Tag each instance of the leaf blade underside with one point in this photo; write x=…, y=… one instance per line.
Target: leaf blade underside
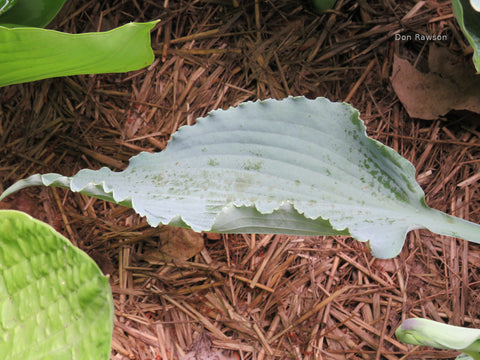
x=304, y=166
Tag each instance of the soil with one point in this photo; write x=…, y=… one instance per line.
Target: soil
x=256, y=296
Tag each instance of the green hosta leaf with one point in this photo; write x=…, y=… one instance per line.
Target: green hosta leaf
x=30, y=54
x=295, y=166
x=35, y=13
x=468, y=17
x=55, y=303
x=426, y=332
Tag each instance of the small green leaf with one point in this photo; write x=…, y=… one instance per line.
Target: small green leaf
x=30, y=54
x=468, y=18
x=34, y=13
x=431, y=333
x=322, y=5
x=55, y=303
x=294, y=166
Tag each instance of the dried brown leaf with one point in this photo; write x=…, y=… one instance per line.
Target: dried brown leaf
x=177, y=243
x=450, y=85
x=201, y=349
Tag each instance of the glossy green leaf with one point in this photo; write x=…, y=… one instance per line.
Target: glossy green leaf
x=34, y=13
x=469, y=20
x=30, y=54
x=431, y=333
x=294, y=166
x=6, y=5
x=55, y=303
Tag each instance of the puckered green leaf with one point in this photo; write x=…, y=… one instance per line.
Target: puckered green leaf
x=468, y=18
x=35, y=13
x=55, y=303
x=29, y=54
x=295, y=166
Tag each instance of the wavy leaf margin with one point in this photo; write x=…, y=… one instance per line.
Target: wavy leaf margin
x=291, y=166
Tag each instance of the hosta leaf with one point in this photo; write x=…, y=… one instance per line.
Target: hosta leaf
x=468, y=17
x=467, y=357
x=55, y=303
x=35, y=13
x=424, y=332
x=295, y=166
x=30, y=54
